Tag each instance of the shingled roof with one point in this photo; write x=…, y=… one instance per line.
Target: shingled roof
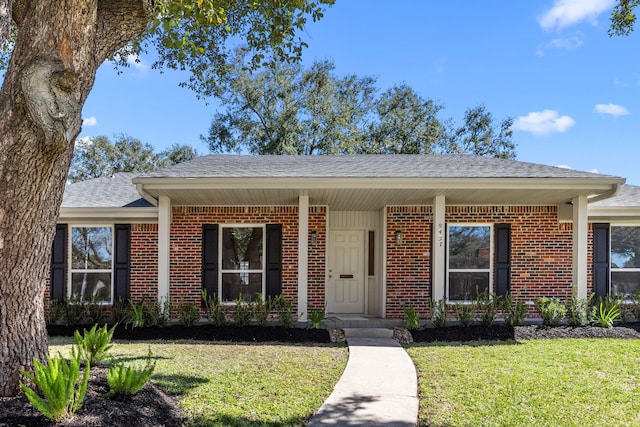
x=363, y=166
x=114, y=191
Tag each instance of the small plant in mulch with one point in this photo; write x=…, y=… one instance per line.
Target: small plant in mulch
x=242, y=312
x=127, y=380
x=412, y=318
x=464, y=313
x=94, y=343
x=438, y=311
x=214, y=311
x=513, y=311
x=579, y=311
x=605, y=312
x=188, y=313
x=487, y=305
x=316, y=316
x=552, y=311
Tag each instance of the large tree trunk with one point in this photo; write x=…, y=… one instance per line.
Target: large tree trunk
x=60, y=45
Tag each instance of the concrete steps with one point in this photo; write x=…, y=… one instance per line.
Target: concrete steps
x=367, y=333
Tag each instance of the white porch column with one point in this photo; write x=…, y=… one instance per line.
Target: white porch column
x=439, y=248
x=580, y=236
x=164, y=232
x=303, y=255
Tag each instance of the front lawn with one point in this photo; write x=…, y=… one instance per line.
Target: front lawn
x=229, y=384
x=565, y=382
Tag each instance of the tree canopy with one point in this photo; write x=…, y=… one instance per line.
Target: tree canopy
x=289, y=109
x=623, y=17
x=95, y=157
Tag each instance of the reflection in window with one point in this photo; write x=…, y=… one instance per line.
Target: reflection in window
x=242, y=265
x=469, y=262
x=91, y=264
x=625, y=261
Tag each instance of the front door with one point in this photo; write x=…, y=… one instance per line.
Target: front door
x=345, y=292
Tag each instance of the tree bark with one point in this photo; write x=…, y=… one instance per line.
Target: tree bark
x=60, y=45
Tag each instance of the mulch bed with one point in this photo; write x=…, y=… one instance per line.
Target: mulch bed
x=519, y=333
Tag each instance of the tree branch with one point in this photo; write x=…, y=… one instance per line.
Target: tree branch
x=5, y=20
x=119, y=22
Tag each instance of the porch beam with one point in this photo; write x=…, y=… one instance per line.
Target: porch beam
x=580, y=241
x=438, y=252
x=164, y=233
x=303, y=255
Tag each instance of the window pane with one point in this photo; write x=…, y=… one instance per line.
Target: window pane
x=242, y=248
x=247, y=284
x=469, y=247
x=91, y=285
x=625, y=283
x=91, y=248
x=625, y=247
x=466, y=286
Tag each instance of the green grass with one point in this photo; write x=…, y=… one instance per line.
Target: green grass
x=570, y=382
x=228, y=384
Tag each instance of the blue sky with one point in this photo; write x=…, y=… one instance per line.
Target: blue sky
x=573, y=91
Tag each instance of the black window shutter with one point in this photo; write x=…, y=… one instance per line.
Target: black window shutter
x=503, y=258
x=600, y=259
x=210, y=259
x=274, y=260
x=122, y=261
x=58, y=274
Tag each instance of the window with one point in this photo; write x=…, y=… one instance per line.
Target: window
x=469, y=261
x=91, y=276
x=625, y=260
x=242, y=264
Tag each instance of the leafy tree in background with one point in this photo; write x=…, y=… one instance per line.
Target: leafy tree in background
x=98, y=156
x=288, y=109
x=51, y=50
x=623, y=18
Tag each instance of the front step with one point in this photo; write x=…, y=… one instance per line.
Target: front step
x=367, y=333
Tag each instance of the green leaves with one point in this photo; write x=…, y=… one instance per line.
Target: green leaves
x=128, y=380
x=623, y=18
x=60, y=386
x=95, y=343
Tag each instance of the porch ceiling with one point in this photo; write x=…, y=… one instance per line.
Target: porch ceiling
x=358, y=198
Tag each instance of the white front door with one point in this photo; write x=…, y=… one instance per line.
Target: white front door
x=345, y=290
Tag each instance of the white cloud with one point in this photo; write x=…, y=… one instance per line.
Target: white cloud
x=569, y=43
x=566, y=13
x=564, y=166
x=84, y=141
x=89, y=121
x=594, y=171
x=136, y=62
x=611, y=109
x=543, y=122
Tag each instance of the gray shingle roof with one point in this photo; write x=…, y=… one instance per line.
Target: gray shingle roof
x=363, y=166
x=104, y=192
x=629, y=195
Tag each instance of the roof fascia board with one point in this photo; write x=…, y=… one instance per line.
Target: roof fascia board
x=150, y=213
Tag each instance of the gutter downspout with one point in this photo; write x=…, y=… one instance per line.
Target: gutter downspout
x=148, y=197
x=606, y=195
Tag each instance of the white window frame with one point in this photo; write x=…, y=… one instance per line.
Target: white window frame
x=222, y=271
x=618, y=269
x=469, y=270
x=83, y=270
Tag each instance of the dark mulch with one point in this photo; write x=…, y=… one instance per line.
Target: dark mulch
x=149, y=407
x=208, y=333
x=518, y=333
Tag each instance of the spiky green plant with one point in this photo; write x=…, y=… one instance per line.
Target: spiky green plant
x=606, y=312
x=412, y=318
x=127, y=380
x=61, y=390
x=94, y=343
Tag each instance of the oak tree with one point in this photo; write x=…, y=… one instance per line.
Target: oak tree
x=55, y=48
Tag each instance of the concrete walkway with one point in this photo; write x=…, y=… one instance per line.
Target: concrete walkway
x=377, y=388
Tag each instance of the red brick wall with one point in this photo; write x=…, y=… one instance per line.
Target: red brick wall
x=408, y=263
x=186, y=246
x=541, y=251
x=144, y=262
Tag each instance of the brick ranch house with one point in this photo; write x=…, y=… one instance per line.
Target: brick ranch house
x=360, y=235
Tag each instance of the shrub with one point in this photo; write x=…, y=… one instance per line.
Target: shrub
x=579, y=312
x=213, y=309
x=464, y=314
x=635, y=305
x=606, y=312
x=438, y=311
x=188, y=313
x=54, y=311
x=242, y=313
x=128, y=380
x=261, y=310
x=513, y=311
x=73, y=310
x=156, y=313
x=136, y=314
x=487, y=305
x=93, y=311
x=552, y=310
x=284, y=309
x=412, y=318
x=121, y=311
x=95, y=343
x=62, y=391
